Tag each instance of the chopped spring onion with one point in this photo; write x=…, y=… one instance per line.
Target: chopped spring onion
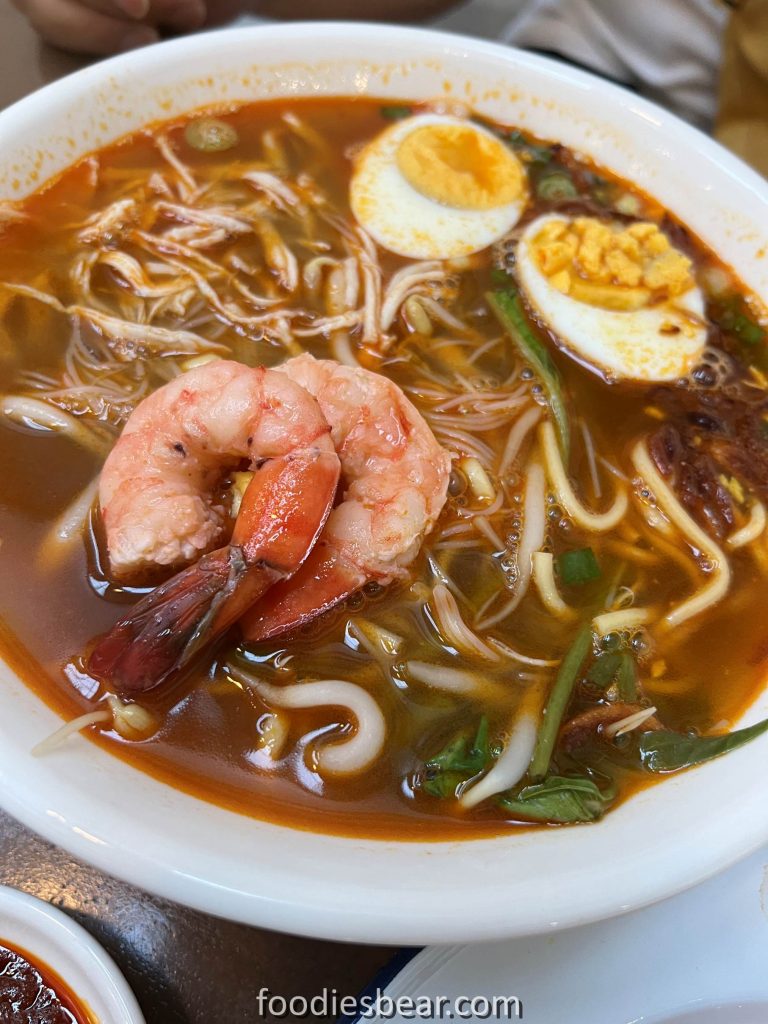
x=211, y=135
x=734, y=318
x=578, y=567
x=628, y=204
x=556, y=185
x=747, y=330
x=558, y=701
x=508, y=308
x=395, y=111
x=530, y=151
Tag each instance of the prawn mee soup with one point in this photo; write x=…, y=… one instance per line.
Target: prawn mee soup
x=379, y=470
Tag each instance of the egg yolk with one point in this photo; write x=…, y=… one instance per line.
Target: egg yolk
x=609, y=265
x=458, y=166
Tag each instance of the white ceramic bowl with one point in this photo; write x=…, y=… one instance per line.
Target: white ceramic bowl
x=54, y=940
x=124, y=822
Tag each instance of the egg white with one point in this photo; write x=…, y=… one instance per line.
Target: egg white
x=408, y=223
x=631, y=344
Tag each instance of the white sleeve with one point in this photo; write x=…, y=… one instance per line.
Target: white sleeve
x=669, y=50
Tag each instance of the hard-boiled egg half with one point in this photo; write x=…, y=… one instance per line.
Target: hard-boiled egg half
x=437, y=187
x=620, y=296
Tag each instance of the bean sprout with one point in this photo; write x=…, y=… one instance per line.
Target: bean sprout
x=511, y=765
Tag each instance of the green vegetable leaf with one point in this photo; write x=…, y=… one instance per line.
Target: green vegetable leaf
x=457, y=763
x=395, y=111
x=509, y=311
x=560, y=800
x=452, y=757
x=663, y=751
x=443, y=784
x=578, y=566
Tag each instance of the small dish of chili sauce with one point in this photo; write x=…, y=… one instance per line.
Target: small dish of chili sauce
x=31, y=992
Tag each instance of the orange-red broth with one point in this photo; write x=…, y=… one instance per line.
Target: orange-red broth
x=207, y=743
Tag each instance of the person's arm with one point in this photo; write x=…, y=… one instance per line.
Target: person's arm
x=108, y=26
x=373, y=10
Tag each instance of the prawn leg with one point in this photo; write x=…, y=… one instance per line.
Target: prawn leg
x=321, y=582
x=283, y=512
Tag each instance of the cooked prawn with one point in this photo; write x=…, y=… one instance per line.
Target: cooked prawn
x=158, y=507
x=394, y=481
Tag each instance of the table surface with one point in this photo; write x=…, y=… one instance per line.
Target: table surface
x=185, y=967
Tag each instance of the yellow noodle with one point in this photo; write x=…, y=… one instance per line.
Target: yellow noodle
x=349, y=755
x=720, y=574
x=752, y=529
x=544, y=578
x=624, y=618
x=595, y=521
x=631, y=552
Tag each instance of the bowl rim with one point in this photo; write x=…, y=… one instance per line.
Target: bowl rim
x=405, y=901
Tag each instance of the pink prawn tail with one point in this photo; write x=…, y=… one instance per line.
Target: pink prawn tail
x=163, y=631
x=321, y=582
x=283, y=512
